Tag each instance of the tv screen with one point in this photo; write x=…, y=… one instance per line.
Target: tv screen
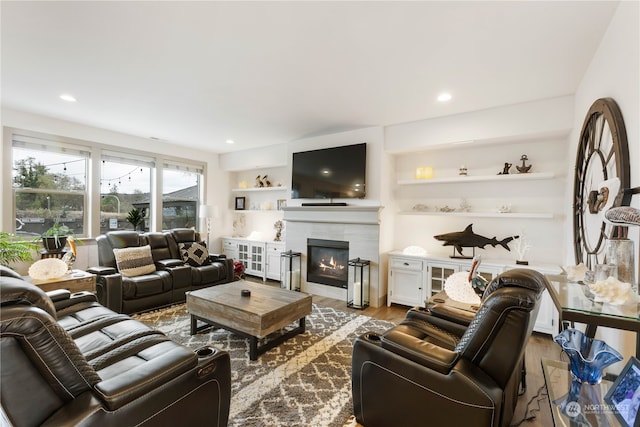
x=330, y=173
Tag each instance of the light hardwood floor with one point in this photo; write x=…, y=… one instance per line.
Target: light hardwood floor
x=540, y=346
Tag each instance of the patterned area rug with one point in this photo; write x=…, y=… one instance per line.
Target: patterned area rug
x=305, y=381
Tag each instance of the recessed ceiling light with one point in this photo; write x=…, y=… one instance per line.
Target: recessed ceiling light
x=67, y=97
x=444, y=97
x=230, y=141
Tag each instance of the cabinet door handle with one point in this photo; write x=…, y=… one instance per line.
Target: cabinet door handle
x=406, y=263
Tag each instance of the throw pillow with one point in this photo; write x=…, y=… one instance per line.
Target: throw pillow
x=194, y=253
x=134, y=261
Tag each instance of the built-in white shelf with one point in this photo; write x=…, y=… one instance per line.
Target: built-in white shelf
x=531, y=215
x=480, y=178
x=247, y=190
x=258, y=211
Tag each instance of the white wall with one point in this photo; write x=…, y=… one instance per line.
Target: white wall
x=614, y=72
x=547, y=117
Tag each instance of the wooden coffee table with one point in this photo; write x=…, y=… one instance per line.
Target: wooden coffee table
x=267, y=310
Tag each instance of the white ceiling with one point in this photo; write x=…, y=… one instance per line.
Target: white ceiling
x=262, y=73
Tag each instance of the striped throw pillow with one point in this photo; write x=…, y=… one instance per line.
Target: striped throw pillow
x=134, y=261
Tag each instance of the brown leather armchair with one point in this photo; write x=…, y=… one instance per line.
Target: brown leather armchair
x=97, y=367
x=424, y=371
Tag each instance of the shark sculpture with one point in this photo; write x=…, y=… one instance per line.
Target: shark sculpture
x=469, y=239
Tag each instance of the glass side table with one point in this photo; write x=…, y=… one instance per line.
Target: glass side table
x=573, y=403
x=573, y=305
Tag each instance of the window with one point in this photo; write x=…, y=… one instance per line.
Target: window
x=49, y=181
x=125, y=184
x=181, y=190
x=54, y=179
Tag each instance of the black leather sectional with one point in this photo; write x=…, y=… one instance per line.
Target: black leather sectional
x=67, y=360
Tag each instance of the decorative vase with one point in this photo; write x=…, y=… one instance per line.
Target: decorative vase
x=621, y=253
x=587, y=356
x=54, y=244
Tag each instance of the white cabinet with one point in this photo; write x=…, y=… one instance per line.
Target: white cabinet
x=437, y=274
x=272, y=270
x=230, y=248
x=415, y=279
x=260, y=258
x=406, y=281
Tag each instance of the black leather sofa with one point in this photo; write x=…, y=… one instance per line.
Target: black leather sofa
x=166, y=285
x=67, y=360
x=430, y=369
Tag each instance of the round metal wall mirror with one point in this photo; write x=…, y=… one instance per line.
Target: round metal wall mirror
x=601, y=176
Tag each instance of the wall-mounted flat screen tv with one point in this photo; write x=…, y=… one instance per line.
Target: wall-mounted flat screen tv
x=330, y=173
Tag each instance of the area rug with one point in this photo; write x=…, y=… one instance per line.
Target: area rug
x=305, y=381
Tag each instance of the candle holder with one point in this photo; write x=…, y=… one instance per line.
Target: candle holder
x=358, y=284
x=290, y=270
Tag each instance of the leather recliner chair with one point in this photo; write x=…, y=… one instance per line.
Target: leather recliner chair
x=97, y=367
x=424, y=371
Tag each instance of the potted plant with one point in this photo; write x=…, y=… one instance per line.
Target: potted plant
x=14, y=249
x=55, y=238
x=135, y=218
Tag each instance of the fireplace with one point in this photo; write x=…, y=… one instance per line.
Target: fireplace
x=327, y=262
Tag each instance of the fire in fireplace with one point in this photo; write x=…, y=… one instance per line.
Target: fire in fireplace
x=327, y=262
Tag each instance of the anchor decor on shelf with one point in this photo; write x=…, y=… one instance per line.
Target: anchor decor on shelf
x=524, y=168
x=469, y=239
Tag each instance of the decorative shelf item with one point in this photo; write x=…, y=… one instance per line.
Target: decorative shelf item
x=260, y=189
x=479, y=178
x=529, y=215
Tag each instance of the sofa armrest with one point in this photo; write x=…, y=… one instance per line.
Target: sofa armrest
x=423, y=352
x=164, y=264
x=109, y=290
x=101, y=270
x=421, y=314
x=59, y=295
x=216, y=257
x=164, y=362
x=228, y=263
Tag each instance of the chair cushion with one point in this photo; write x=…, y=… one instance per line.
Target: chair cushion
x=134, y=261
x=194, y=253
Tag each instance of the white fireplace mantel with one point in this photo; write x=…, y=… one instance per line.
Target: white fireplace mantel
x=334, y=214
x=358, y=225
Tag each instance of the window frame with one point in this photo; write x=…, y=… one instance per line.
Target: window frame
x=92, y=190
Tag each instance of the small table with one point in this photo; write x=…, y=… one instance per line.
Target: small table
x=267, y=310
x=574, y=306
x=73, y=281
x=584, y=402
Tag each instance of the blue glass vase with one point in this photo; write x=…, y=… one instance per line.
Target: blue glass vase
x=587, y=356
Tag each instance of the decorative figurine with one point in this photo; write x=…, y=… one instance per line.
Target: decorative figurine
x=505, y=169
x=278, y=225
x=464, y=206
x=259, y=183
x=266, y=182
x=469, y=239
x=524, y=168
x=521, y=247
